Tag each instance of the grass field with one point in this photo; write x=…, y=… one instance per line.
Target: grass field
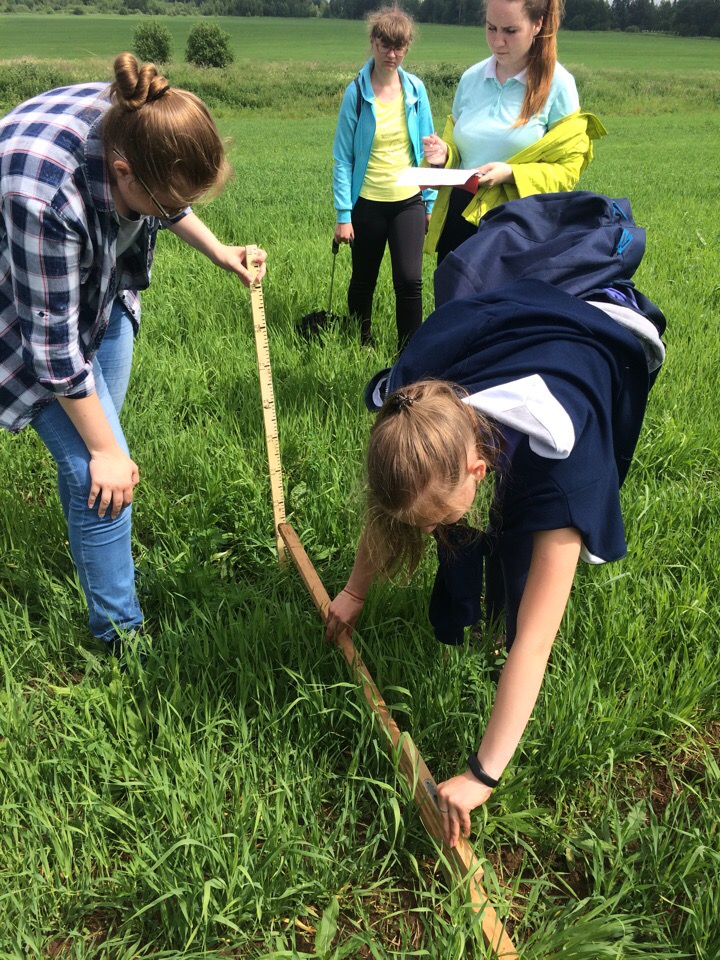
x=232, y=798
x=332, y=42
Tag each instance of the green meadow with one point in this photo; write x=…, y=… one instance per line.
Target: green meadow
x=230, y=797
x=326, y=42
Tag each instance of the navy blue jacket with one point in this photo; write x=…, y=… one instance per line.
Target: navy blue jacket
x=552, y=360
x=578, y=241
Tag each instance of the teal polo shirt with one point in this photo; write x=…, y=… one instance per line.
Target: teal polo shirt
x=484, y=111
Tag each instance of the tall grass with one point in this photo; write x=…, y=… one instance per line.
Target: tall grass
x=283, y=89
x=230, y=798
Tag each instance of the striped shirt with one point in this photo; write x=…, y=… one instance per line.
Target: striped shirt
x=58, y=270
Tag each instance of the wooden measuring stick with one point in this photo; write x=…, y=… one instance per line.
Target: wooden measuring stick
x=267, y=395
x=413, y=768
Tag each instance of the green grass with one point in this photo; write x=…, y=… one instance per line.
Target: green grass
x=338, y=42
x=232, y=798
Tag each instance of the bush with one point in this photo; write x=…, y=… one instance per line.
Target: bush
x=152, y=42
x=24, y=78
x=208, y=46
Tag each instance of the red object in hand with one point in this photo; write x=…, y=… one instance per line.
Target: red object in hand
x=471, y=184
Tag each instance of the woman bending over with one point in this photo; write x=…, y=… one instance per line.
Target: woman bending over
x=547, y=390
x=88, y=174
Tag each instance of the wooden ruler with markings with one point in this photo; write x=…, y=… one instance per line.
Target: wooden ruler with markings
x=461, y=859
x=272, y=440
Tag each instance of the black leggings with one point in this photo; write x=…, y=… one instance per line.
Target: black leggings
x=400, y=224
x=457, y=229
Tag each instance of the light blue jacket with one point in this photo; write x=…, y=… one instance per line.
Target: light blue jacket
x=354, y=137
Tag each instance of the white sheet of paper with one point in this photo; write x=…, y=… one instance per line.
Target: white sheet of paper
x=433, y=177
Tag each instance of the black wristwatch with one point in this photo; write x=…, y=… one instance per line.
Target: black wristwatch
x=477, y=770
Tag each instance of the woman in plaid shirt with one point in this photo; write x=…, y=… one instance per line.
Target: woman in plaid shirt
x=88, y=174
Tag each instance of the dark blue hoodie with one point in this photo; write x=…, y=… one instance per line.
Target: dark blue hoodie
x=567, y=386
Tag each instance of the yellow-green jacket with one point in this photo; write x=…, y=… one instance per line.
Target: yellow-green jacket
x=552, y=164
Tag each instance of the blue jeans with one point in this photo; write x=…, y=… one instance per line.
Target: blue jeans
x=100, y=546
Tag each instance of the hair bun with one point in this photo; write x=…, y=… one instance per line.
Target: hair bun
x=136, y=85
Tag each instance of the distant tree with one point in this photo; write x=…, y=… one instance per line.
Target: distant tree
x=361, y=7
x=620, y=14
x=152, y=42
x=642, y=14
x=697, y=18
x=664, y=19
x=413, y=8
x=587, y=15
x=426, y=13
x=209, y=46
x=247, y=8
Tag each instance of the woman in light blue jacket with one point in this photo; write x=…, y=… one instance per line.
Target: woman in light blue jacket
x=384, y=115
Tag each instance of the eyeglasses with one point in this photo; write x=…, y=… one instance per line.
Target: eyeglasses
x=165, y=214
x=401, y=49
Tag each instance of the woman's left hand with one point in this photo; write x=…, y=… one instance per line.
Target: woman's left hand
x=456, y=799
x=234, y=259
x=491, y=174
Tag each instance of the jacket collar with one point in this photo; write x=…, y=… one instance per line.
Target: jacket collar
x=406, y=79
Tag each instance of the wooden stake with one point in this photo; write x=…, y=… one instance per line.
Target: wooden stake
x=272, y=441
x=413, y=768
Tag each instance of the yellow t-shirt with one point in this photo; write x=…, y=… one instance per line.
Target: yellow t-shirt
x=390, y=154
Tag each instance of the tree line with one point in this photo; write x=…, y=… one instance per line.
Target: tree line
x=685, y=18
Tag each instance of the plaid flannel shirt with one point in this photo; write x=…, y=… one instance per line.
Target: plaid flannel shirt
x=58, y=227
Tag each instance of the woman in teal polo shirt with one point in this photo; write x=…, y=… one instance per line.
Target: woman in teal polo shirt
x=503, y=107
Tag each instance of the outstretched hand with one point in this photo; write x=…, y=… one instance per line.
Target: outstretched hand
x=234, y=259
x=342, y=614
x=457, y=798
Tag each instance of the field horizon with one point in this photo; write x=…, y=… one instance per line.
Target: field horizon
x=230, y=797
x=332, y=42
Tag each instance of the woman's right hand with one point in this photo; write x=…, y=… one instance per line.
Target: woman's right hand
x=435, y=150
x=113, y=476
x=344, y=233
x=342, y=614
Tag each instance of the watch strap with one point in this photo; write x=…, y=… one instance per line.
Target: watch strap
x=479, y=772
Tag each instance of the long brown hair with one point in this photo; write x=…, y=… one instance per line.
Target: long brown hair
x=166, y=135
x=417, y=451
x=542, y=56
